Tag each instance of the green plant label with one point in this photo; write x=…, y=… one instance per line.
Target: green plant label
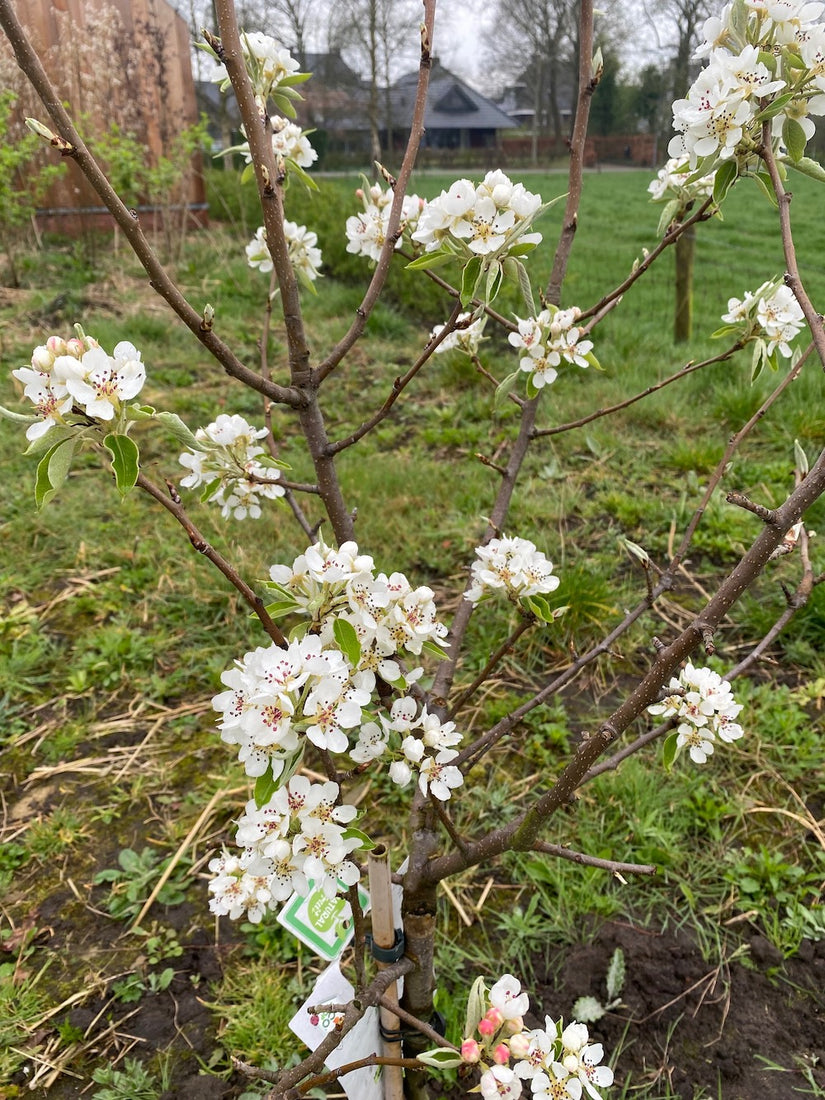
x=320, y=922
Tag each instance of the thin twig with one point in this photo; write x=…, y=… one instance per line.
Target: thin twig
x=173, y=505
x=730, y=450
x=506, y=647
x=792, y=276
x=398, y=387
x=682, y=373
x=615, y=866
x=588, y=82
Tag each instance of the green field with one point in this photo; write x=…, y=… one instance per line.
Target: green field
x=113, y=632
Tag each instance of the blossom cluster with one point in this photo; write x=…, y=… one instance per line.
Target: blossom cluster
x=278, y=694
x=427, y=744
x=77, y=376
x=465, y=336
x=271, y=68
x=548, y=339
x=386, y=614
x=555, y=1062
x=704, y=707
x=488, y=219
x=755, y=53
x=770, y=315
x=302, y=246
x=229, y=466
x=678, y=188
x=289, y=144
x=320, y=687
x=513, y=564
x=674, y=179
x=298, y=837
x=367, y=231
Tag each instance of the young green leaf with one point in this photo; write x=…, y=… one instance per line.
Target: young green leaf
x=493, y=284
x=800, y=458
x=809, y=167
x=794, y=137
x=347, y=641
x=775, y=107
x=178, y=429
x=504, y=389
x=367, y=844
x=670, y=750
x=52, y=470
x=265, y=787
x=669, y=212
x=726, y=175
x=125, y=460
x=434, y=650
x=470, y=278
x=430, y=260
x=476, y=1006
x=21, y=418
x=441, y=1058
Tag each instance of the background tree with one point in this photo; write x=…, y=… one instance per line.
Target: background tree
x=377, y=37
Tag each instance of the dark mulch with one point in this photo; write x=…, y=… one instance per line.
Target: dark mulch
x=687, y=1023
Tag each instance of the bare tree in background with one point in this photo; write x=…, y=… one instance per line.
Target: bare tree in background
x=535, y=42
x=376, y=35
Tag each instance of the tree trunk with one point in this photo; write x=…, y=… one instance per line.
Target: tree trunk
x=683, y=316
x=538, y=93
x=375, y=134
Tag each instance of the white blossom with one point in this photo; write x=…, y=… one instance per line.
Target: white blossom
x=704, y=707
x=484, y=220
x=465, y=336
x=514, y=565
x=229, y=460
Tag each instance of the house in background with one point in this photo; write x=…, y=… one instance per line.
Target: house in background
x=457, y=116
x=337, y=107
x=121, y=62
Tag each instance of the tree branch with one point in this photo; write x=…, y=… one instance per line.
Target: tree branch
x=174, y=507
x=29, y=62
x=399, y=190
x=689, y=368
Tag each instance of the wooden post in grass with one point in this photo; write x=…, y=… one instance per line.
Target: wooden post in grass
x=683, y=316
x=383, y=937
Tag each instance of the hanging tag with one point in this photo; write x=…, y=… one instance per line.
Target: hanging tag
x=323, y=924
x=364, y=1039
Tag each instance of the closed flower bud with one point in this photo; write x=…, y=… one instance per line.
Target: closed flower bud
x=491, y=1022
x=470, y=1051
x=501, y=1054
x=42, y=358
x=520, y=1044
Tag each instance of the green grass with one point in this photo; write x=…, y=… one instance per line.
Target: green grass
x=105, y=608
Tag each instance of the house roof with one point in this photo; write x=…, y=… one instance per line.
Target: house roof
x=451, y=103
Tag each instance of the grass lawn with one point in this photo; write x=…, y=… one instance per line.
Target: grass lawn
x=113, y=635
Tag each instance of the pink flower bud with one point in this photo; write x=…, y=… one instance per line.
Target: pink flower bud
x=359, y=192
x=491, y=1022
x=501, y=1054
x=515, y=1025
x=520, y=1045
x=75, y=347
x=470, y=1050
x=56, y=345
